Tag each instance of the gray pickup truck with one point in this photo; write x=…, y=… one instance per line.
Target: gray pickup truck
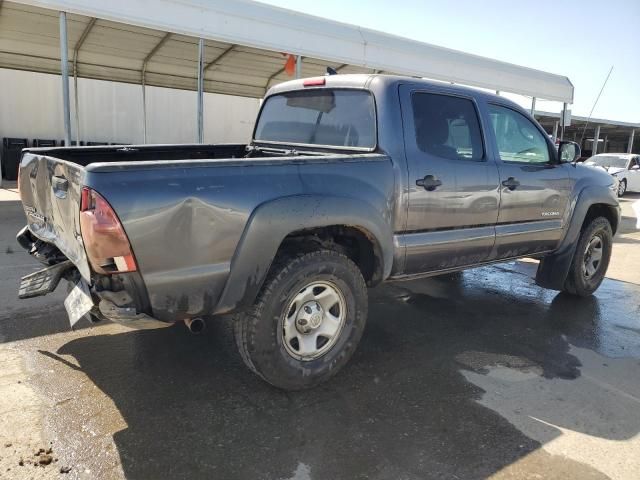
x=349, y=181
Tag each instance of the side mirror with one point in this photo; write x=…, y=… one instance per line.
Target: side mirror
x=635, y=167
x=568, y=152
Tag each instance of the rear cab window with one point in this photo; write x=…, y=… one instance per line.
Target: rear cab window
x=323, y=117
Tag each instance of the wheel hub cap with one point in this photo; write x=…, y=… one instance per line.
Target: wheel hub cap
x=314, y=318
x=309, y=317
x=592, y=257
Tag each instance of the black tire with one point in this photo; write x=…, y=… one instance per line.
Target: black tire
x=622, y=188
x=578, y=282
x=258, y=332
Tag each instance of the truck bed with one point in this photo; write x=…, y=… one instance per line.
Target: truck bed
x=186, y=208
x=138, y=153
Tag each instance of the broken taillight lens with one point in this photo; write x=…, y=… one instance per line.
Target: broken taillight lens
x=105, y=241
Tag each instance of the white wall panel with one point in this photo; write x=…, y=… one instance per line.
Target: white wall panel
x=31, y=107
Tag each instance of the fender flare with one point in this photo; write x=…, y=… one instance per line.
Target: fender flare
x=271, y=222
x=554, y=269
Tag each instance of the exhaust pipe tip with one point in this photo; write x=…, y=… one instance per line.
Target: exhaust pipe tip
x=195, y=325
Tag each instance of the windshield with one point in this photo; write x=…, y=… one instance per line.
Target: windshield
x=339, y=118
x=607, y=161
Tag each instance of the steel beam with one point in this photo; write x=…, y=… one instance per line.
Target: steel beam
x=143, y=82
x=200, y=90
x=270, y=79
x=64, y=74
x=631, y=138
x=76, y=50
x=555, y=131
x=563, y=117
x=219, y=57
x=299, y=66
x=533, y=106
x=280, y=71
x=596, y=137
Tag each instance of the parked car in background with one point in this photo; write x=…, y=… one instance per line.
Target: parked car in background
x=625, y=167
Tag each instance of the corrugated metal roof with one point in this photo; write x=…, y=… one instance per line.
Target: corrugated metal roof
x=592, y=121
x=243, y=48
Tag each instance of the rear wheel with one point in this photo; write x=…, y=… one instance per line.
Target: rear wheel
x=591, y=259
x=306, y=321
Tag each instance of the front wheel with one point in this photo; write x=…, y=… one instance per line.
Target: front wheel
x=306, y=321
x=622, y=187
x=591, y=259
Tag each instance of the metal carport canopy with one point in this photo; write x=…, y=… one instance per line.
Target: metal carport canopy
x=244, y=42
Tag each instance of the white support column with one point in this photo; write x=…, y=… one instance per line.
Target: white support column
x=144, y=110
x=143, y=82
x=555, y=131
x=596, y=137
x=200, y=90
x=76, y=51
x=533, y=106
x=64, y=73
x=299, y=66
x=76, y=104
x=631, y=138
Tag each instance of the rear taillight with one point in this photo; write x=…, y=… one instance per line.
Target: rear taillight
x=105, y=241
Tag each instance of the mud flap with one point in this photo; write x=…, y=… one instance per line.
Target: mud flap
x=554, y=269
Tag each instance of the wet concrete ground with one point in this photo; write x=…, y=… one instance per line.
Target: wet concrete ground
x=466, y=376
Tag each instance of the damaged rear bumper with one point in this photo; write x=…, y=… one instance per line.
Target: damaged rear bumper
x=128, y=316
x=121, y=298
x=43, y=281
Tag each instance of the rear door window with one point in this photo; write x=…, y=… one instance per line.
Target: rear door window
x=332, y=117
x=447, y=126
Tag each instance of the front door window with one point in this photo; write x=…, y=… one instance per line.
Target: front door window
x=517, y=137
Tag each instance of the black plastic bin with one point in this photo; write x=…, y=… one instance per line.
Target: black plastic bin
x=11, y=148
x=38, y=142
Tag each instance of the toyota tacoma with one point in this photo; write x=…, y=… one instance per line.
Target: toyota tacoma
x=348, y=181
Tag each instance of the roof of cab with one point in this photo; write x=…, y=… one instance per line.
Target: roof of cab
x=382, y=81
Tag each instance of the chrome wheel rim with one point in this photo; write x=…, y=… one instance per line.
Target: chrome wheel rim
x=621, y=188
x=592, y=257
x=313, y=320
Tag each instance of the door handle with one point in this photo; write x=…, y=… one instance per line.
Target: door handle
x=511, y=183
x=60, y=186
x=429, y=183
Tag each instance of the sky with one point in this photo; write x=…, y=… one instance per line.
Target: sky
x=578, y=39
